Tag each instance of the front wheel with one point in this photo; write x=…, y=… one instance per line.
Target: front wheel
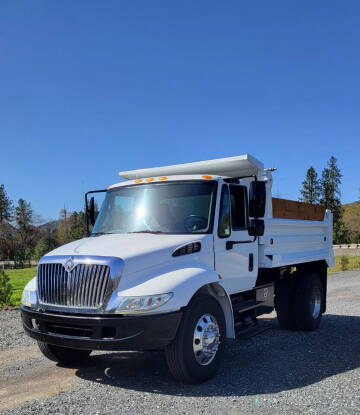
x=194, y=356
x=63, y=354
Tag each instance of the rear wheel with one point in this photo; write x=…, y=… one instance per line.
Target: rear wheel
x=308, y=302
x=194, y=356
x=284, y=293
x=63, y=354
x=299, y=301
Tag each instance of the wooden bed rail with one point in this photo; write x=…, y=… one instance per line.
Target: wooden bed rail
x=290, y=209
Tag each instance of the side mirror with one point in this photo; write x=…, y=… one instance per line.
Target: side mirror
x=91, y=212
x=256, y=227
x=91, y=209
x=257, y=199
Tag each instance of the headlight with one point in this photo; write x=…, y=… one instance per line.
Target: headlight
x=29, y=295
x=141, y=304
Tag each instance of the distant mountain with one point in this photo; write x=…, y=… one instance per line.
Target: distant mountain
x=351, y=217
x=52, y=225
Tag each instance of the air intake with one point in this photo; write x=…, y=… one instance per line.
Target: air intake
x=188, y=249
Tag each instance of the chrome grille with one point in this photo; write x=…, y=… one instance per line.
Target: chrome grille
x=83, y=287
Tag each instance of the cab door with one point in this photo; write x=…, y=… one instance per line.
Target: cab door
x=236, y=254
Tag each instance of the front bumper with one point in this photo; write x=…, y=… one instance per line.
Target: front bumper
x=110, y=332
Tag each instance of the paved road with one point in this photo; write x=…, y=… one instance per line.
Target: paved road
x=274, y=372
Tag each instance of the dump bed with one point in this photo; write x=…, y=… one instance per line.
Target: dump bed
x=296, y=233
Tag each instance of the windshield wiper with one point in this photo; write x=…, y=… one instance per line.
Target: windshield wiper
x=146, y=231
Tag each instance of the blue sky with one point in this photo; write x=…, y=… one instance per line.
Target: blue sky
x=89, y=88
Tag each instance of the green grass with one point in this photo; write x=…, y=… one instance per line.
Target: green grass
x=18, y=279
x=354, y=262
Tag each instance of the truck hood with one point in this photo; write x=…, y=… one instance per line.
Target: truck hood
x=138, y=250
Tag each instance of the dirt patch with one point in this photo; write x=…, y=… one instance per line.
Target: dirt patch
x=17, y=355
x=47, y=379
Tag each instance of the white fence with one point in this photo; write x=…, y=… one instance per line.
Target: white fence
x=347, y=246
x=17, y=264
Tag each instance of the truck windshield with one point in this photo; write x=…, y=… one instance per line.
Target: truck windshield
x=172, y=208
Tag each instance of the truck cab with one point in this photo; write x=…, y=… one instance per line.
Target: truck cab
x=179, y=258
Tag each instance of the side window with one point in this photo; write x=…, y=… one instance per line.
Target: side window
x=224, y=229
x=239, y=207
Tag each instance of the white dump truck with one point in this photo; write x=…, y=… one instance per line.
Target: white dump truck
x=179, y=259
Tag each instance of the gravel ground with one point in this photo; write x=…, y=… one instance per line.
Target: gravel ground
x=11, y=332
x=272, y=372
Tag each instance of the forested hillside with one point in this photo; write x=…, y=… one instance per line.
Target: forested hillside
x=351, y=218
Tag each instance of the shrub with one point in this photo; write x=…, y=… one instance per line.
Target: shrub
x=344, y=262
x=5, y=289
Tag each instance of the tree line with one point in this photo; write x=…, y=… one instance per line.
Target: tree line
x=23, y=239
x=325, y=190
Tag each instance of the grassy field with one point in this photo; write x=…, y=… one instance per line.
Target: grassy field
x=354, y=262
x=20, y=277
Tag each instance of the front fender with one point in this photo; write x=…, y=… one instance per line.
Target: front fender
x=182, y=282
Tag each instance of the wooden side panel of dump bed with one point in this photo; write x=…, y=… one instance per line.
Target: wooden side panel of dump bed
x=290, y=209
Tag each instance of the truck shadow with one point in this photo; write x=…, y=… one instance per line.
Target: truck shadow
x=270, y=362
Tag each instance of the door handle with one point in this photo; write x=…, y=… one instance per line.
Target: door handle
x=230, y=244
x=251, y=262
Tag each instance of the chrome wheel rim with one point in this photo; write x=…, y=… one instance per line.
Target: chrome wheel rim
x=316, y=302
x=206, y=339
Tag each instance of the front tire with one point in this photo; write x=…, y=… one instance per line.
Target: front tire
x=194, y=356
x=63, y=354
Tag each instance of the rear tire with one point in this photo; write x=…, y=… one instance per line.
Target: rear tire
x=284, y=293
x=194, y=355
x=299, y=301
x=308, y=302
x=63, y=354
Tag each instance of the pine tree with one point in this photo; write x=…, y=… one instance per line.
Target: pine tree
x=77, y=225
x=25, y=230
x=6, y=206
x=311, y=189
x=63, y=231
x=23, y=214
x=330, y=188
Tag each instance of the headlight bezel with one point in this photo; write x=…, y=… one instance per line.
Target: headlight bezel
x=142, y=304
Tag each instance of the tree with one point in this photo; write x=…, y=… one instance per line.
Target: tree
x=7, y=240
x=23, y=214
x=26, y=232
x=63, y=231
x=341, y=234
x=77, y=225
x=330, y=198
x=330, y=188
x=6, y=206
x=311, y=189
x=6, y=289
x=44, y=245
